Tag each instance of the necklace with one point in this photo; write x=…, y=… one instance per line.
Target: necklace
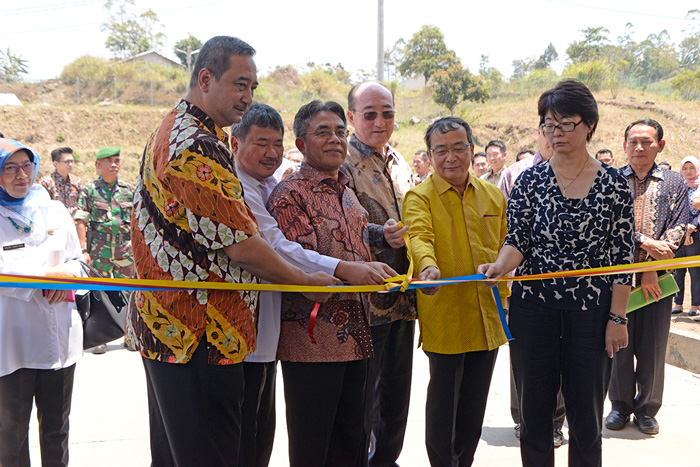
x=558, y=174
x=22, y=229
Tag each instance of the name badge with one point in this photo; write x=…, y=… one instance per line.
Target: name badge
x=13, y=247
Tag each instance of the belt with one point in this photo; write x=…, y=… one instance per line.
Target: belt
x=111, y=238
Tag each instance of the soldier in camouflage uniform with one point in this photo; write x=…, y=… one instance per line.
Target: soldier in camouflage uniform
x=104, y=218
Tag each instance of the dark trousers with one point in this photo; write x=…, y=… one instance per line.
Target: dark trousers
x=455, y=405
x=552, y=349
x=640, y=389
x=51, y=390
x=389, y=391
x=258, y=414
x=325, y=405
x=688, y=250
x=559, y=413
x=194, y=411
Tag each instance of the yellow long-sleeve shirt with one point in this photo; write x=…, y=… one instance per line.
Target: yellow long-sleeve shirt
x=456, y=234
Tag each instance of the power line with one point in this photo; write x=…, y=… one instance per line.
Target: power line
x=591, y=7
x=33, y=10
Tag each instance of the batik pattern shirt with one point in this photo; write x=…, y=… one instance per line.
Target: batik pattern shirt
x=661, y=207
x=381, y=184
x=511, y=174
x=555, y=233
x=188, y=206
x=66, y=190
x=322, y=214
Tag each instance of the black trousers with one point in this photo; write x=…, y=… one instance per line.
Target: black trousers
x=389, y=391
x=194, y=411
x=325, y=404
x=51, y=390
x=258, y=414
x=551, y=348
x=679, y=274
x=456, y=402
x=639, y=389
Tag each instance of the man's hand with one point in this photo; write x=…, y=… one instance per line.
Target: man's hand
x=320, y=279
x=615, y=337
x=431, y=273
x=659, y=249
x=362, y=273
x=688, y=234
x=491, y=270
x=87, y=258
x=650, y=286
x=393, y=234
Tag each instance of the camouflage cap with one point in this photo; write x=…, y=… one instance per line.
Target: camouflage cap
x=108, y=152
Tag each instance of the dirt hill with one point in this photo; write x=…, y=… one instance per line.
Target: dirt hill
x=87, y=128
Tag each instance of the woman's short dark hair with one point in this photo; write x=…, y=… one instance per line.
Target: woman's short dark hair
x=569, y=98
x=215, y=56
x=260, y=115
x=307, y=112
x=445, y=125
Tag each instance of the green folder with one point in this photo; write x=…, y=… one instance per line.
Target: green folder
x=668, y=287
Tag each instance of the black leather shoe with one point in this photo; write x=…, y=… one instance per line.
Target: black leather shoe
x=616, y=421
x=516, y=429
x=558, y=438
x=647, y=425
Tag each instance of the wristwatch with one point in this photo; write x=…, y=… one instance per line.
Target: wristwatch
x=617, y=319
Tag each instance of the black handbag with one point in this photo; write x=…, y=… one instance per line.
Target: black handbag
x=103, y=313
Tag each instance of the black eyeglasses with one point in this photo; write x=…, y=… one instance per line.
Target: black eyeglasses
x=27, y=168
x=372, y=114
x=565, y=127
x=457, y=149
x=341, y=133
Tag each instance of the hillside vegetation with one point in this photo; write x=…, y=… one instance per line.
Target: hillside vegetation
x=87, y=128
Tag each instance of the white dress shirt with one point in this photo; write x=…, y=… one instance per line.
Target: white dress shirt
x=34, y=334
x=255, y=194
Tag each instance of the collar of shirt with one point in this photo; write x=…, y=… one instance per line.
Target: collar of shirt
x=58, y=178
x=442, y=185
x=265, y=187
x=317, y=177
x=366, y=151
x=655, y=172
x=204, y=119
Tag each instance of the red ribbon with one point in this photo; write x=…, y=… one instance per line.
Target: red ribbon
x=312, y=321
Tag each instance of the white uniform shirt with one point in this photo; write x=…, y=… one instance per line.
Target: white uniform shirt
x=34, y=334
x=255, y=194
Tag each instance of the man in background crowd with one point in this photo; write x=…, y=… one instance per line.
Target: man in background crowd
x=421, y=166
x=62, y=185
x=479, y=164
x=380, y=177
x=605, y=156
x=496, y=157
x=524, y=154
x=290, y=164
x=661, y=212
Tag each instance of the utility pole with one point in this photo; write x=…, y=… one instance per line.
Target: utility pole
x=380, y=41
x=189, y=59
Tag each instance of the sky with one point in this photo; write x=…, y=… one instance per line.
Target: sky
x=51, y=34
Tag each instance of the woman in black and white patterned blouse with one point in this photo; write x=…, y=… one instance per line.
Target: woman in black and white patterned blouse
x=568, y=213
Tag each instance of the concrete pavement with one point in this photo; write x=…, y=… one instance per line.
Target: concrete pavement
x=109, y=420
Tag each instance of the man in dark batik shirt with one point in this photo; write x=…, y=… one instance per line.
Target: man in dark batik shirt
x=661, y=213
x=62, y=185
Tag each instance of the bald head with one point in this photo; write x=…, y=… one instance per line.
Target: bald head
x=371, y=113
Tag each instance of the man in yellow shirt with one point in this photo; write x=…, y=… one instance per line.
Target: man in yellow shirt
x=456, y=222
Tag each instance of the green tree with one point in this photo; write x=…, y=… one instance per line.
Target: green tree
x=455, y=84
x=521, y=68
x=190, y=43
x=591, y=47
x=658, y=58
x=426, y=53
x=548, y=56
x=393, y=58
x=12, y=66
x=130, y=33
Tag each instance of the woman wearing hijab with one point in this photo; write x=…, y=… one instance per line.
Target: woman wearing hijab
x=690, y=169
x=41, y=331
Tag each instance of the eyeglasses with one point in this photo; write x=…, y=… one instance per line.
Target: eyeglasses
x=27, y=168
x=341, y=133
x=457, y=149
x=646, y=143
x=372, y=114
x=68, y=162
x=566, y=127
